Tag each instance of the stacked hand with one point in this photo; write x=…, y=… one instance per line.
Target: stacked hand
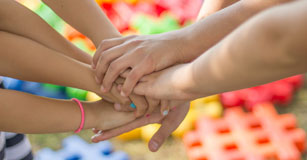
x=141, y=61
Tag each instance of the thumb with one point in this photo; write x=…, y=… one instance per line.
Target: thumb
x=160, y=136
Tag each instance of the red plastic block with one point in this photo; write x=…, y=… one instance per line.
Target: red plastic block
x=279, y=92
x=258, y=135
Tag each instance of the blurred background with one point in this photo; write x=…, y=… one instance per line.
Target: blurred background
x=266, y=122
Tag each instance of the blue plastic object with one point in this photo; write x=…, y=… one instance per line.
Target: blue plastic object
x=11, y=83
x=34, y=88
x=75, y=148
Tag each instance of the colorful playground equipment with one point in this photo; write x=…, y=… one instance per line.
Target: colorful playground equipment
x=262, y=134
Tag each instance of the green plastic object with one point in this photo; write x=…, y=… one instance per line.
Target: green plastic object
x=81, y=44
x=76, y=93
x=52, y=88
x=151, y=25
x=50, y=17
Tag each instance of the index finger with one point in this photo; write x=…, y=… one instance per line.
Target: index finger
x=107, y=44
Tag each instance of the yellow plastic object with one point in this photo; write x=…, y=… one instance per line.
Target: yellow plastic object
x=148, y=131
x=33, y=4
x=99, y=1
x=211, y=98
x=132, y=135
x=131, y=1
x=202, y=101
x=92, y=97
x=186, y=125
x=212, y=109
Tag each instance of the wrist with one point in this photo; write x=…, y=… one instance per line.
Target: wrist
x=187, y=85
x=91, y=115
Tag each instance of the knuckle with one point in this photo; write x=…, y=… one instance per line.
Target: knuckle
x=134, y=42
x=105, y=58
x=113, y=66
x=104, y=42
x=133, y=75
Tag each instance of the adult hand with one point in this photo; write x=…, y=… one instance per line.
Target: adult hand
x=143, y=54
x=168, y=125
x=175, y=83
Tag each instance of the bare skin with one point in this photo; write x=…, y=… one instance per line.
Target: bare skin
x=150, y=53
x=269, y=47
x=222, y=69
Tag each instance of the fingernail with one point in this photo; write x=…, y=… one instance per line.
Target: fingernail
x=117, y=106
x=173, y=108
x=147, y=115
x=165, y=112
x=123, y=94
x=102, y=88
x=154, y=145
x=132, y=105
x=93, y=66
x=96, y=135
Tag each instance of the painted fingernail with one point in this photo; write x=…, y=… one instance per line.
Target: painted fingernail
x=165, y=112
x=173, y=108
x=147, y=115
x=96, y=135
x=132, y=105
x=154, y=145
x=103, y=89
x=117, y=106
x=123, y=94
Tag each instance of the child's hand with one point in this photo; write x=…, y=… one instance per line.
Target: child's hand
x=107, y=117
x=124, y=103
x=168, y=125
x=143, y=54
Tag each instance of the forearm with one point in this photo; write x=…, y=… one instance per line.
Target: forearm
x=27, y=60
x=266, y=48
x=25, y=113
x=209, y=31
x=13, y=15
x=91, y=21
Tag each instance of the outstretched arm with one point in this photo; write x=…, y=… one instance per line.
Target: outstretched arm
x=26, y=59
x=86, y=16
x=13, y=16
x=268, y=47
x=25, y=113
x=93, y=23
x=149, y=53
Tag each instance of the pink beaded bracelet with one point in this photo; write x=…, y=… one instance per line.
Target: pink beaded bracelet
x=82, y=115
